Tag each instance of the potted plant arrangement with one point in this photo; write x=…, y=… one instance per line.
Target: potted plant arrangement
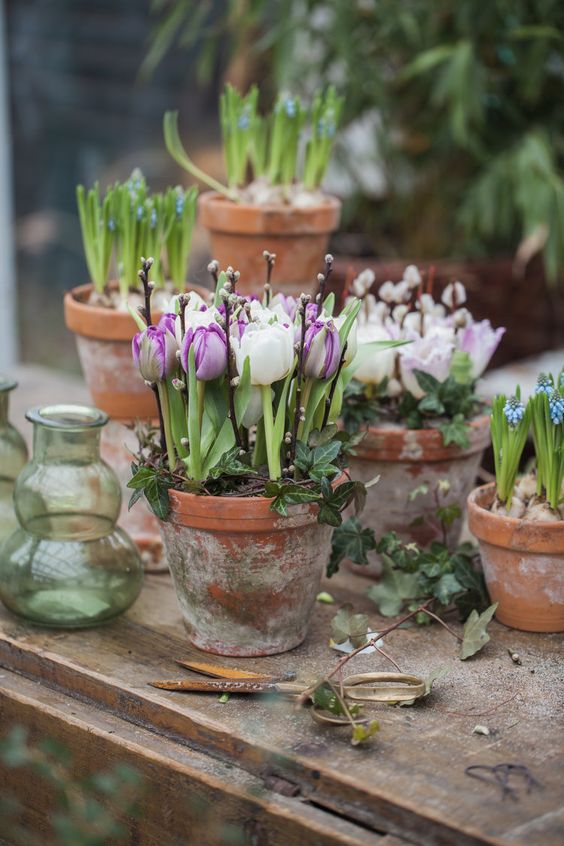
x=423, y=422
x=519, y=523
x=246, y=477
x=117, y=227
x=281, y=204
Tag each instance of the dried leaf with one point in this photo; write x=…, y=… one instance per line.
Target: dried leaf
x=475, y=634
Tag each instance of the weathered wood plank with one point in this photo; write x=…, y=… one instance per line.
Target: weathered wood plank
x=184, y=791
x=410, y=783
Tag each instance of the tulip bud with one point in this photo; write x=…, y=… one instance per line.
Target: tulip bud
x=322, y=350
x=154, y=353
x=270, y=350
x=210, y=351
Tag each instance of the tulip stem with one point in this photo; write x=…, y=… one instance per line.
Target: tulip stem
x=329, y=400
x=272, y=453
x=304, y=299
x=169, y=440
x=230, y=386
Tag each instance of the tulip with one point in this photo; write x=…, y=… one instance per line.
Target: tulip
x=284, y=306
x=352, y=340
x=431, y=353
x=378, y=366
x=480, y=341
x=154, y=352
x=210, y=351
x=322, y=350
x=270, y=350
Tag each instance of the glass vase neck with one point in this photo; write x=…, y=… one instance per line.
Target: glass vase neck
x=6, y=385
x=66, y=433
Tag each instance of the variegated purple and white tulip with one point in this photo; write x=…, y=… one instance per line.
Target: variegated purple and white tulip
x=322, y=349
x=154, y=352
x=210, y=350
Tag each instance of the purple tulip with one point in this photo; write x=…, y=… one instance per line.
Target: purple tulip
x=210, y=351
x=154, y=353
x=167, y=322
x=322, y=350
x=480, y=341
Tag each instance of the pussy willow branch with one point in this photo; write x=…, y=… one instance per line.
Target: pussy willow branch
x=270, y=259
x=230, y=386
x=148, y=288
x=302, y=308
x=322, y=279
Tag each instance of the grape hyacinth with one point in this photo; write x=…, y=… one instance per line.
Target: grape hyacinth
x=544, y=385
x=514, y=411
x=556, y=407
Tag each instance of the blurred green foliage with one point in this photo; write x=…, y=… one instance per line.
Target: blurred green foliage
x=465, y=99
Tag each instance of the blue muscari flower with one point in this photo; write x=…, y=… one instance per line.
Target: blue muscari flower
x=112, y=225
x=290, y=107
x=562, y=379
x=320, y=128
x=556, y=408
x=139, y=212
x=179, y=205
x=243, y=121
x=544, y=385
x=153, y=218
x=514, y=411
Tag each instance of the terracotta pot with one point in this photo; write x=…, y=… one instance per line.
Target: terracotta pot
x=245, y=577
x=240, y=233
x=523, y=565
x=405, y=459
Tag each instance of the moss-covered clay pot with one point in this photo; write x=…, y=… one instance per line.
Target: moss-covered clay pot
x=406, y=459
x=246, y=578
x=523, y=565
x=240, y=232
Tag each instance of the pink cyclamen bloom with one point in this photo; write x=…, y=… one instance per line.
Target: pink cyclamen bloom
x=480, y=340
x=322, y=350
x=210, y=351
x=154, y=352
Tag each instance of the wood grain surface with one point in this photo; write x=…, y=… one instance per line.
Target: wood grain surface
x=409, y=783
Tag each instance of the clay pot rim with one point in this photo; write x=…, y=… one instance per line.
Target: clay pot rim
x=100, y=322
x=238, y=514
x=511, y=532
x=430, y=439
x=330, y=201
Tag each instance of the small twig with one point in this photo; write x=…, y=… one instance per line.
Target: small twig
x=443, y=624
x=146, y=265
x=230, y=386
x=213, y=270
x=322, y=279
x=270, y=259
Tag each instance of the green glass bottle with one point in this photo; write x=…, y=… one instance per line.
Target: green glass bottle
x=68, y=564
x=13, y=456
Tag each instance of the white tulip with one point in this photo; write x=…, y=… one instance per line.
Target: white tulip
x=352, y=340
x=378, y=366
x=270, y=350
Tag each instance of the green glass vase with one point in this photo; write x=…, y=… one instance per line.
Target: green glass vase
x=13, y=456
x=67, y=564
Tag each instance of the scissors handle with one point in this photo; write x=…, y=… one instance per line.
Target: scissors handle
x=383, y=687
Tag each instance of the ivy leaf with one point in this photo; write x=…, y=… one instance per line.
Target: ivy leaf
x=426, y=381
x=393, y=589
x=350, y=541
x=447, y=588
x=325, y=697
x=431, y=404
x=421, y=490
x=154, y=484
x=455, y=431
x=318, y=438
x=230, y=465
x=346, y=625
x=361, y=733
x=289, y=494
x=475, y=634
x=447, y=514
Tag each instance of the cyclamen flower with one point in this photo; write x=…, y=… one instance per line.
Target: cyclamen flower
x=154, y=352
x=431, y=353
x=480, y=341
x=210, y=351
x=363, y=283
x=544, y=385
x=322, y=350
x=412, y=276
x=454, y=295
x=514, y=411
x=556, y=408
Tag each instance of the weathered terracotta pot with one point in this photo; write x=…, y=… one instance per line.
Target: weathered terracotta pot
x=405, y=459
x=240, y=233
x=523, y=565
x=245, y=577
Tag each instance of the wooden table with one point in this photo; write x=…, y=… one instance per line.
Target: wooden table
x=266, y=772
